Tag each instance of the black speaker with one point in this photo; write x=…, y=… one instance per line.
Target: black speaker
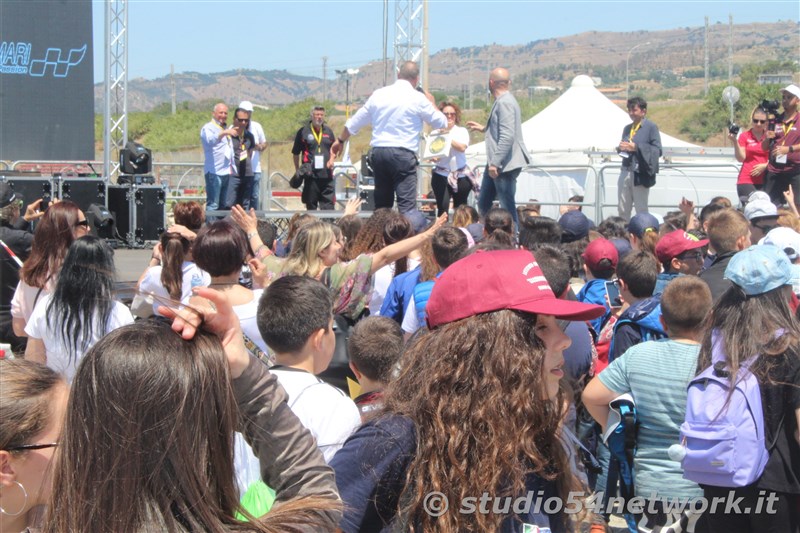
x=31, y=189
x=139, y=210
x=83, y=191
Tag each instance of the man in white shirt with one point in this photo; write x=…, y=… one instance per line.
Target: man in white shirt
x=261, y=144
x=396, y=113
x=218, y=151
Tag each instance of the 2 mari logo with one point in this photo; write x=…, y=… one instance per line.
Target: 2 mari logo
x=15, y=58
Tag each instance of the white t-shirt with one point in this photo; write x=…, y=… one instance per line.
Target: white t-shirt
x=258, y=132
x=22, y=303
x=247, y=318
x=56, y=351
x=193, y=276
x=380, y=284
x=456, y=159
x=322, y=408
x=410, y=322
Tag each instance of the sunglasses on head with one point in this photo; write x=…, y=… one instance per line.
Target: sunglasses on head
x=32, y=447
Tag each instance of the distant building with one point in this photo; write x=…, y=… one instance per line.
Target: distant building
x=782, y=78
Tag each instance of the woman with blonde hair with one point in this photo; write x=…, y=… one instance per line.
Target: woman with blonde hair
x=749, y=152
x=315, y=253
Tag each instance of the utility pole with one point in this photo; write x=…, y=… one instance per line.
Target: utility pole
x=730, y=48
x=172, y=82
x=324, y=78
x=426, y=69
x=705, y=41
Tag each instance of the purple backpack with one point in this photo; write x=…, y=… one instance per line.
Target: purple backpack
x=724, y=443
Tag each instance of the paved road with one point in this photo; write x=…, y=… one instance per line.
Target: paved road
x=130, y=265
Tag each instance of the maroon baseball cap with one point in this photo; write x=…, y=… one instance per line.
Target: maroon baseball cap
x=675, y=243
x=598, y=250
x=503, y=279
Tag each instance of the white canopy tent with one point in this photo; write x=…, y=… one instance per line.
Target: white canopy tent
x=573, y=144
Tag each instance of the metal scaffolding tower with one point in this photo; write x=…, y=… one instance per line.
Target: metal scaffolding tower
x=115, y=113
x=408, y=38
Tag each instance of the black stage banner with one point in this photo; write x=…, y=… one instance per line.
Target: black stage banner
x=46, y=80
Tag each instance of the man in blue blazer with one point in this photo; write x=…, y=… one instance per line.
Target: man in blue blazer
x=640, y=149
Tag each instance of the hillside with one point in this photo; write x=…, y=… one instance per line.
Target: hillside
x=672, y=57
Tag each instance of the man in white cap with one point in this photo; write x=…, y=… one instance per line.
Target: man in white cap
x=762, y=215
x=787, y=240
x=261, y=144
x=782, y=139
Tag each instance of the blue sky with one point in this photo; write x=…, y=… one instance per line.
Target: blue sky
x=213, y=35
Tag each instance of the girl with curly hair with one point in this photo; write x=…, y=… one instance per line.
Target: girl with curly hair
x=475, y=410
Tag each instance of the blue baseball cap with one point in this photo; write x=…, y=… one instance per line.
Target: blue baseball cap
x=574, y=225
x=641, y=222
x=759, y=269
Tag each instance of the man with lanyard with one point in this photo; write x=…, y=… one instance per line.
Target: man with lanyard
x=261, y=145
x=506, y=152
x=397, y=113
x=218, y=151
x=314, y=141
x=240, y=183
x=640, y=150
x=783, y=142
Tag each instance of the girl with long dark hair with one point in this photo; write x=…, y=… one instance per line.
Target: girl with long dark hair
x=66, y=323
x=753, y=327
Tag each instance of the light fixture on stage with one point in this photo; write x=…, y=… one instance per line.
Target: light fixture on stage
x=101, y=221
x=135, y=159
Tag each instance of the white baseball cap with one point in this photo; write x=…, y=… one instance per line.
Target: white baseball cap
x=792, y=89
x=246, y=105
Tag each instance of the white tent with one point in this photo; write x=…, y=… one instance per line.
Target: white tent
x=572, y=142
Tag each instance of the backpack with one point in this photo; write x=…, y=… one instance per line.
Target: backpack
x=620, y=437
x=724, y=441
x=648, y=325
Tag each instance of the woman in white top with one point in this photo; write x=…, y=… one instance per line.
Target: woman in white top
x=221, y=249
x=79, y=312
x=62, y=223
x=172, y=273
x=455, y=163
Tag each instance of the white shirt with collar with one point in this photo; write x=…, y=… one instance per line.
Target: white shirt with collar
x=218, y=150
x=397, y=113
x=258, y=132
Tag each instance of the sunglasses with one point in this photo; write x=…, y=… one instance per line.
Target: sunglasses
x=32, y=447
x=84, y=223
x=756, y=121
x=449, y=114
x=243, y=119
